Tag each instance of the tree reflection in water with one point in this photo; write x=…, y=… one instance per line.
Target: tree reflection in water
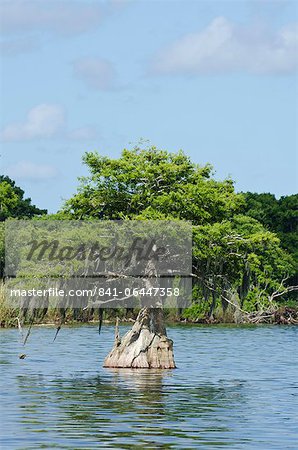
x=127, y=406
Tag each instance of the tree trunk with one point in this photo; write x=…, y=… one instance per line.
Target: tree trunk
x=145, y=346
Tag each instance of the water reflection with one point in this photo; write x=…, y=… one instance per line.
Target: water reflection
x=225, y=393
x=126, y=405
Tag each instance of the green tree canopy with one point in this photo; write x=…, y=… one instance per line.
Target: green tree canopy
x=279, y=216
x=154, y=183
x=234, y=256
x=13, y=203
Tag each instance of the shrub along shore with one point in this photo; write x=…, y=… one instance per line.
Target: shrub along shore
x=282, y=314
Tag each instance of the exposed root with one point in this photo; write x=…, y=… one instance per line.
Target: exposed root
x=145, y=346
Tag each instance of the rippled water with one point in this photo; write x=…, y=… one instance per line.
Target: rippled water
x=235, y=387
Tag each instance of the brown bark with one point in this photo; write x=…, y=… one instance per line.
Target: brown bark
x=145, y=346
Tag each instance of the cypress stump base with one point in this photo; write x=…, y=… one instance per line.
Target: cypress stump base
x=145, y=346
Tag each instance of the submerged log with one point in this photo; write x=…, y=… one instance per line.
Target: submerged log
x=145, y=346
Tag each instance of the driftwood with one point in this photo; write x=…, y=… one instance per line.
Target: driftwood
x=286, y=316
x=145, y=346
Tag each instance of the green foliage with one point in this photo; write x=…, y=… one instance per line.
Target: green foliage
x=235, y=255
x=154, y=183
x=197, y=311
x=279, y=216
x=2, y=249
x=257, y=300
x=13, y=203
x=244, y=245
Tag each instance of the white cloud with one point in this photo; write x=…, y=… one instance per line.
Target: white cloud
x=62, y=17
x=27, y=170
x=45, y=122
x=83, y=133
x=95, y=72
x=12, y=47
x=224, y=47
x=119, y=4
x=42, y=121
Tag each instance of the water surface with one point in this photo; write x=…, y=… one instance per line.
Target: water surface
x=234, y=388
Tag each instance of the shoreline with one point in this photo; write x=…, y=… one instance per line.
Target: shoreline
x=283, y=316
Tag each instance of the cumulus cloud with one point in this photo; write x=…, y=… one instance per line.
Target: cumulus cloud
x=27, y=170
x=62, y=17
x=225, y=47
x=45, y=121
x=119, y=4
x=97, y=73
x=42, y=121
x=83, y=133
x=12, y=47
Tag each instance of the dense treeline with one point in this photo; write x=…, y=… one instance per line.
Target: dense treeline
x=279, y=216
x=244, y=244
x=13, y=205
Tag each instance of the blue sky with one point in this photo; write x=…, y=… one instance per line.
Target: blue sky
x=217, y=79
